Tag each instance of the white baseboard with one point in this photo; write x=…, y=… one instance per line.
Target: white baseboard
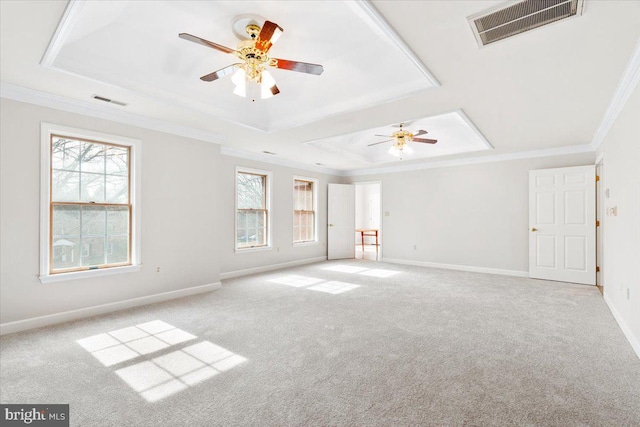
x=66, y=316
x=635, y=344
x=245, y=272
x=501, y=272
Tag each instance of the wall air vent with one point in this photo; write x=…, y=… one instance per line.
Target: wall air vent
x=515, y=18
x=110, y=101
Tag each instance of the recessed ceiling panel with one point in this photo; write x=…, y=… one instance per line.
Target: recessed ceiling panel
x=135, y=45
x=454, y=132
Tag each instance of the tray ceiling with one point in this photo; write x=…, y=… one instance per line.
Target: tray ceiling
x=135, y=45
x=454, y=131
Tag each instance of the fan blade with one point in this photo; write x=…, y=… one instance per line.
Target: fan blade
x=385, y=136
x=204, y=42
x=376, y=143
x=428, y=141
x=274, y=90
x=269, y=33
x=220, y=73
x=301, y=67
x=420, y=132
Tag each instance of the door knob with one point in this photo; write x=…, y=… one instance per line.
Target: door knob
x=330, y=225
x=534, y=229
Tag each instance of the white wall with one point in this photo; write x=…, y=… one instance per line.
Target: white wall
x=474, y=215
x=621, y=155
x=180, y=223
x=283, y=251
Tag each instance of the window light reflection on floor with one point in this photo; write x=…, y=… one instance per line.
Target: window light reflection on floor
x=345, y=268
x=158, y=377
x=315, y=284
x=374, y=272
x=128, y=343
x=163, y=376
x=296, y=281
x=379, y=272
x=334, y=287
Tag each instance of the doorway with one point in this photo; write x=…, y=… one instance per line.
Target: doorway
x=368, y=219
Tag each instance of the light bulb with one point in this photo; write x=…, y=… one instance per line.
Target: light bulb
x=267, y=82
x=239, y=79
x=394, y=151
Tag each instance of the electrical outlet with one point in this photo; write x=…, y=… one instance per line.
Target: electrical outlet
x=415, y=247
x=387, y=213
x=158, y=270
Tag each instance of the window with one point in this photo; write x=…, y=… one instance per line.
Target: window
x=88, y=218
x=252, y=208
x=304, y=210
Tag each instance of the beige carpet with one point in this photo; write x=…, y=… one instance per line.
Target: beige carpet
x=340, y=343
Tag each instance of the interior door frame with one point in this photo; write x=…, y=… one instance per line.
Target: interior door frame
x=379, y=182
x=600, y=218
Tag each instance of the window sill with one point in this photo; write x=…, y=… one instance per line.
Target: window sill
x=256, y=249
x=89, y=274
x=314, y=243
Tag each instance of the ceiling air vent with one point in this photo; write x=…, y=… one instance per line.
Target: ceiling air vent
x=110, y=101
x=515, y=18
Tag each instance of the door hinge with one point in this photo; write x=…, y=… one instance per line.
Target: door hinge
x=597, y=269
x=597, y=178
x=597, y=223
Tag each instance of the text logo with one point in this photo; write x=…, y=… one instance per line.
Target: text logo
x=39, y=415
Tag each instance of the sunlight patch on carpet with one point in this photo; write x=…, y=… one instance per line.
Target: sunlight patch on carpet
x=296, y=281
x=379, y=272
x=158, y=377
x=334, y=287
x=345, y=268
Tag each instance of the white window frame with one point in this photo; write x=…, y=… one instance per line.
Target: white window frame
x=135, y=167
x=316, y=188
x=268, y=174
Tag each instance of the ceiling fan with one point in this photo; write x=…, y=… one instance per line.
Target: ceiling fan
x=251, y=73
x=400, y=139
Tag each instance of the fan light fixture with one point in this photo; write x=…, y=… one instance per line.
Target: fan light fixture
x=399, y=148
x=400, y=140
x=250, y=77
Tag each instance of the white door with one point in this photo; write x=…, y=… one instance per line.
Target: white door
x=562, y=224
x=341, y=221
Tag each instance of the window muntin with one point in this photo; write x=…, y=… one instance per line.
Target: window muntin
x=90, y=206
x=304, y=211
x=252, y=213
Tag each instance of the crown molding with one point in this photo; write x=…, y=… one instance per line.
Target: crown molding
x=625, y=88
x=115, y=114
x=275, y=160
x=30, y=96
x=550, y=152
x=67, y=22
x=370, y=11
